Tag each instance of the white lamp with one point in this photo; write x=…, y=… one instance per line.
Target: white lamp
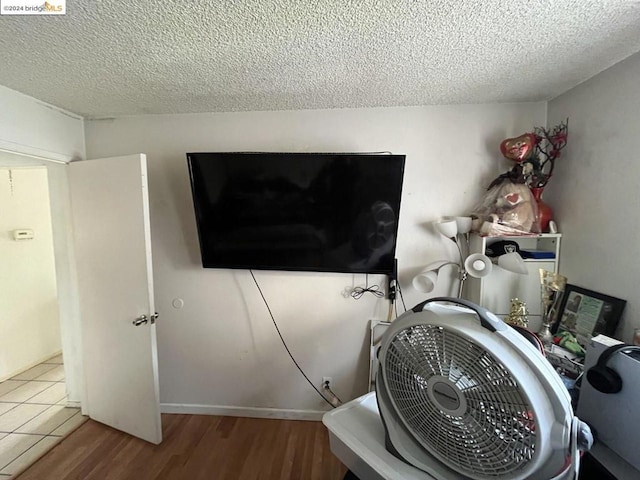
x=477, y=265
x=513, y=262
x=463, y=224
x=426, y=280
x=448, y=228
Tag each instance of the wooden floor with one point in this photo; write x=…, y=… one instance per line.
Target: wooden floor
x=195, y=447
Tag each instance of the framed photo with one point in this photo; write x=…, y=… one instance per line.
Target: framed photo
x=586, y=313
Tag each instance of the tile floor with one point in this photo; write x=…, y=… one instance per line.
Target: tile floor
x=33, y=415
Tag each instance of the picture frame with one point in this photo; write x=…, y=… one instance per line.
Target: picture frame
x=586, y=313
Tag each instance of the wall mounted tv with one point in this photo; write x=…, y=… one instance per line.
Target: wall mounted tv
x=331, y=212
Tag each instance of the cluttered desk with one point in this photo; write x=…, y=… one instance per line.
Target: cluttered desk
x=613, y=416
x=601, y=374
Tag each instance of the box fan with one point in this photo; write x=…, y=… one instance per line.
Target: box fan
x=460, y=395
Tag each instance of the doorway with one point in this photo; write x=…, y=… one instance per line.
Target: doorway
x=29, y=312
x=34, y=414
x=62, y=304
x=107, y=265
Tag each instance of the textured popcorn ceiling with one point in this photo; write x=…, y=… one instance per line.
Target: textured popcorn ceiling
x=107, y=58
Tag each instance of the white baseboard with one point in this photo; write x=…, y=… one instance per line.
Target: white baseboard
x=29, y=366
x=253, y=412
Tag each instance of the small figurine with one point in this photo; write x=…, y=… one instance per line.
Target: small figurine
x=518, y=315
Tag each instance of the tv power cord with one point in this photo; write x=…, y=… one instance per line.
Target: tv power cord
x=333, y=398
x=326, y=386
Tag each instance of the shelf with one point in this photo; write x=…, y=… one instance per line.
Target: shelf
x=496, y=290
x=531, y=235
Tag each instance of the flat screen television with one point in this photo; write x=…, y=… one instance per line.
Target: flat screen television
x=331, y=212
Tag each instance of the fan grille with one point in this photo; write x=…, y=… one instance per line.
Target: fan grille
x=477, y=421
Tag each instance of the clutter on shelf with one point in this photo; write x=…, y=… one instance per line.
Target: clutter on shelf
x=513, y=204
x=508, y=208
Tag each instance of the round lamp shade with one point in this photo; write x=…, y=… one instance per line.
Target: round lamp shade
x=448, y=228
x=513, y=262
x=478, y=265
x=425, y=281
x=463, y=224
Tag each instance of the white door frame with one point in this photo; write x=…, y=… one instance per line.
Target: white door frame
x=69, y=306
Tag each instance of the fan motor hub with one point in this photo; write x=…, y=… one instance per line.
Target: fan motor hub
x=446, y=396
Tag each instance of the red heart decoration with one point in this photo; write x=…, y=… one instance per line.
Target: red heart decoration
x=513, y=198
x=519, y=148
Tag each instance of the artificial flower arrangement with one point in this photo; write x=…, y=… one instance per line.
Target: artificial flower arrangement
x=535, y=155
x=510, y=207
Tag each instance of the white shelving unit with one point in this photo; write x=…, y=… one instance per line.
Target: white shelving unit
x=496, y=290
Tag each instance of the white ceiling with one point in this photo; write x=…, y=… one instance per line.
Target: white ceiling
x=109, y=58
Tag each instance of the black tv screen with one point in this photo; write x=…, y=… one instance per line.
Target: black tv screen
x=297, y=211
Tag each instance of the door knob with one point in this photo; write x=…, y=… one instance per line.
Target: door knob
x=142, y=319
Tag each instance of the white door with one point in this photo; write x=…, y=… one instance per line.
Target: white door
x=110, y=210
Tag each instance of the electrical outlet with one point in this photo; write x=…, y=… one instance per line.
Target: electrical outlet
x=326, y=380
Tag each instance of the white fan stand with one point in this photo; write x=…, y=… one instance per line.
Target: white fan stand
x=356, y=436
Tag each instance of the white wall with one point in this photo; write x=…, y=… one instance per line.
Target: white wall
x=29, y=319
x=29, y=126
x=594, y=192
x=221, y=348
